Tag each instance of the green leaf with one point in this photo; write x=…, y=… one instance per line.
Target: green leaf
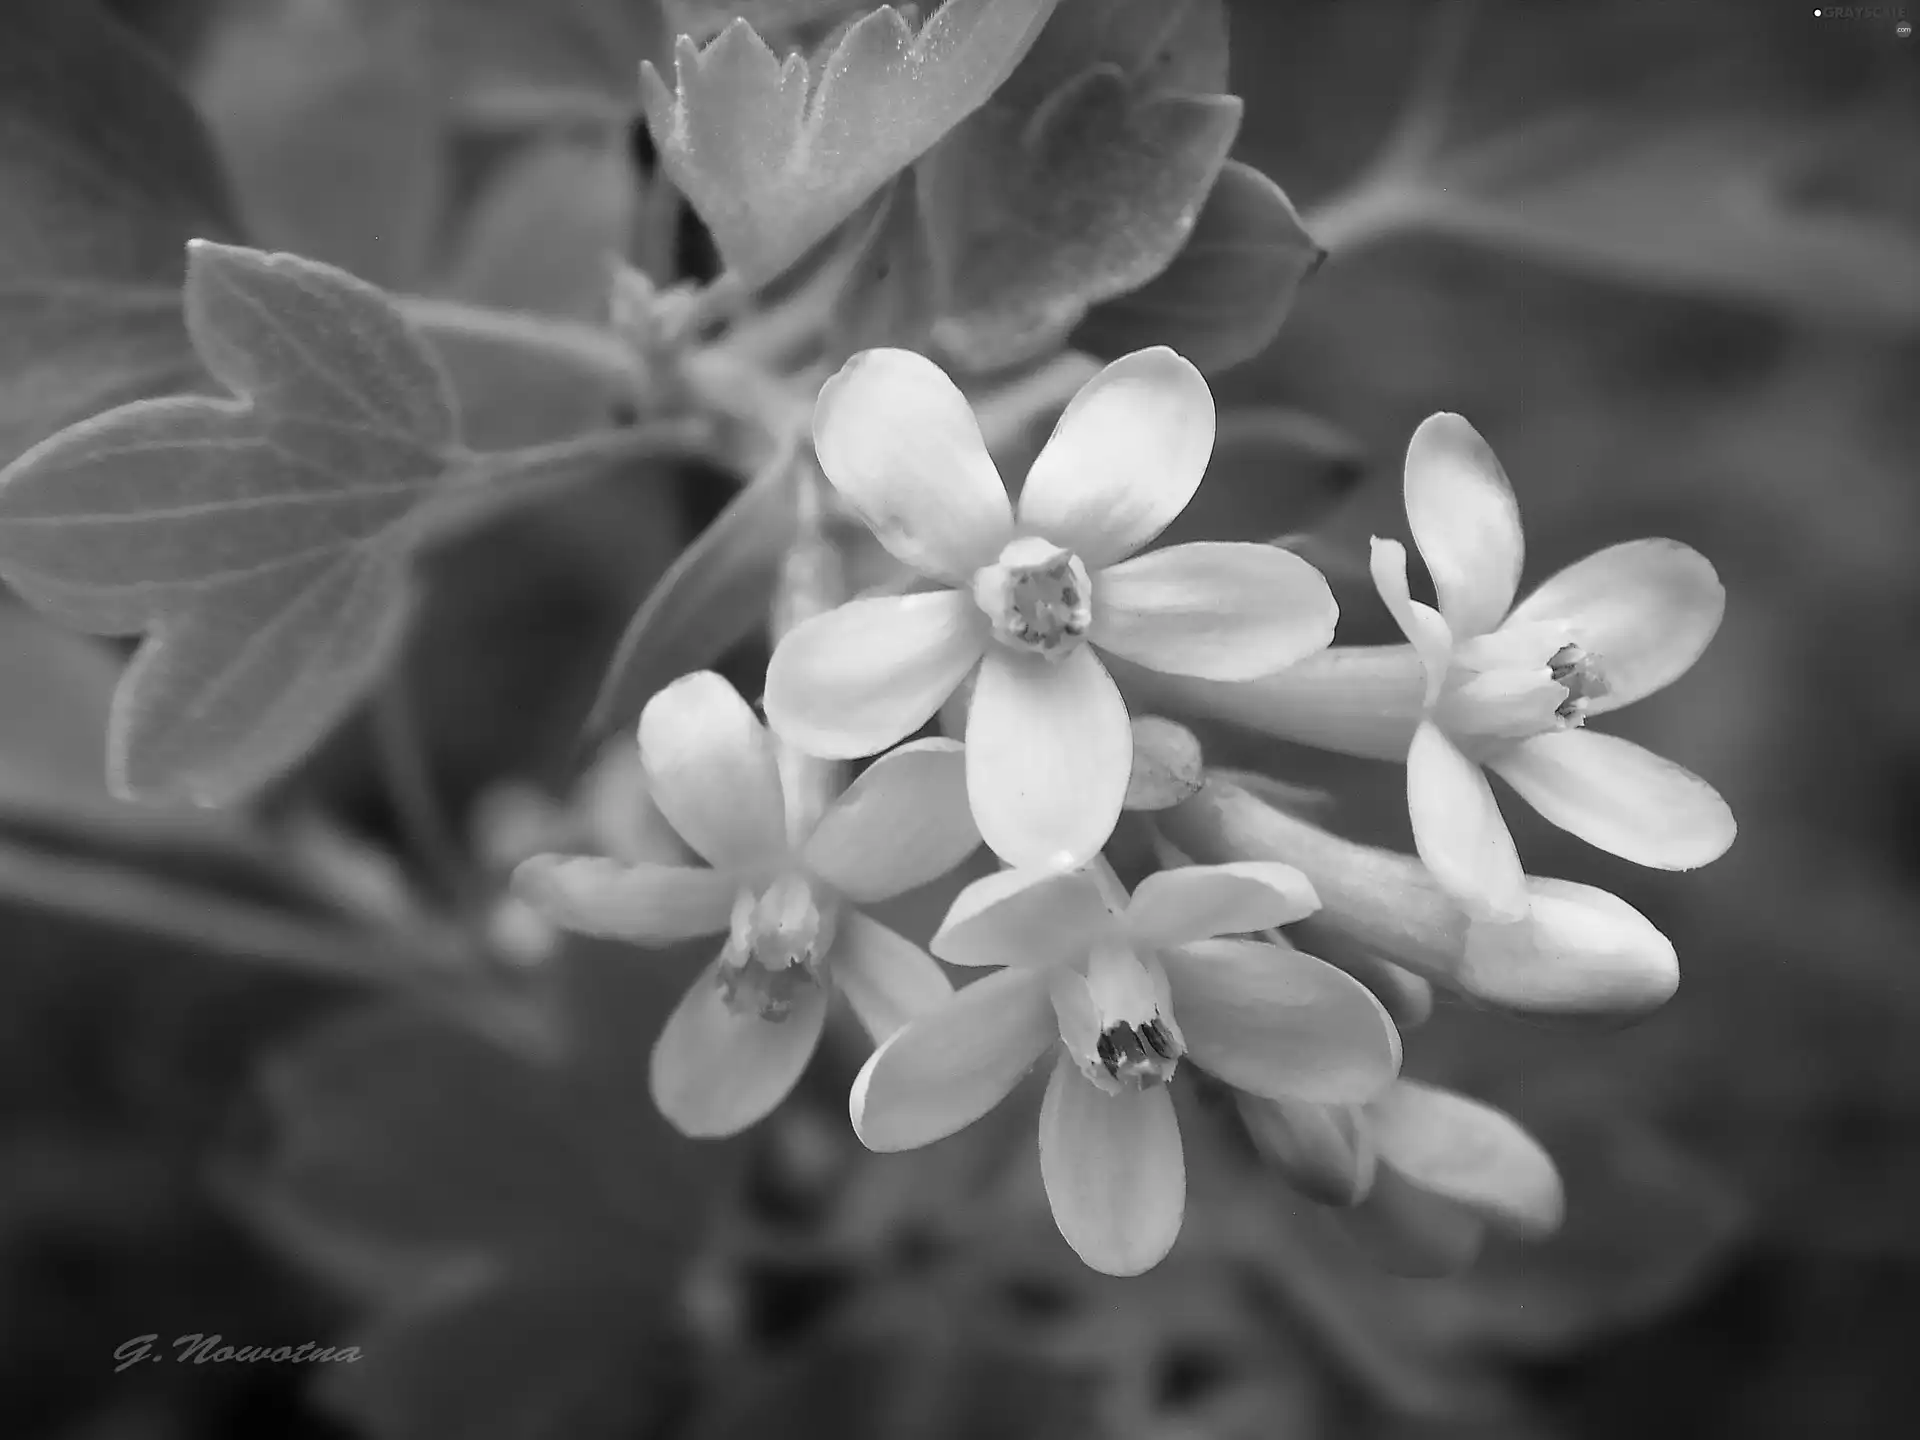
x=106, y=173
x=1227, y=292
x=337, y=149
x=775, y=153
x=514, y=63
x=260, y=540
x=891, y=292
x=711, y=598
x=1081, y=179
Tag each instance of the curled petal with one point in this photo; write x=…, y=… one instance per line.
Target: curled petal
x=1644, y=609
x=1049, y=754
x=1196, y=902
x=710, y=767
x=1465, y=521
x=854, y=680
x=1470, y=1154
x=1024, y=918
x=1620, y=797
x=647, y=904
x=715, y=1072
x=1114, y=1171
x=1273, y=1022
x=899, y=442
x=1408, y=1231
x=1128, y=453
x=1423, y=625
x=887, y=979
x=1458, y=830
x=1213, y=610
x=903, y=822
x=944, y=1069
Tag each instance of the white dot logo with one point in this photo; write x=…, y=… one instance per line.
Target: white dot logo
x=1903, y=29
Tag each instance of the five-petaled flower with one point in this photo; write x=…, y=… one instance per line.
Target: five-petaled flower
x=1511, y=691
x=787, y=902
x=1123, y=990
x=1024, y=595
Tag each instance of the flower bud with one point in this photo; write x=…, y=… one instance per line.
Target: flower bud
x=1166, y=765
x=1578, y=950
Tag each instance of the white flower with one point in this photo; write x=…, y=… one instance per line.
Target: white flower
x=788, y=903
x=1578, y=950
x=1028, y=597
x=1511, y=691
x=1122, y=991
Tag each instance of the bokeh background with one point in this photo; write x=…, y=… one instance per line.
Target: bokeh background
x=1689, y=307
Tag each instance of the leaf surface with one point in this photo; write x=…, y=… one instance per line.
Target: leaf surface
x=1082, y=178
x=775, y=153
x=105, y=173
x=259, y=540
x=1227, y=292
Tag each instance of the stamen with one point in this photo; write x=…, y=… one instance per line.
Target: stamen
x=1580, y=673
x=1038, y=597
x=775, y=947
x=1116, y=1019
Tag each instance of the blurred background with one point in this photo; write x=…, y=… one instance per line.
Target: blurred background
x=1677, y=286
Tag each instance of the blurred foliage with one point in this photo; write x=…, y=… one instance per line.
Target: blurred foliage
x=1673, y=275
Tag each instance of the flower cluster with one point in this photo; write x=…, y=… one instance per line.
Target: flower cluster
x=1008, y=606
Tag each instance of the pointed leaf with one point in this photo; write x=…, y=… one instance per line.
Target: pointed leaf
x=259, y=541
x=106, y=174
x=1080, y=180
x=891, y=295
x=775, y=153
x=710, y=599
x=1227, y=292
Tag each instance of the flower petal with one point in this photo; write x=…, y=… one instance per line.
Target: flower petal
x=1458, y=830
x=714, y=1072
x=1465, y=521
x=945, y=1069
x=1645, y=609
x=1422, y=624
x=1579, y=951
x=887, y=979
x=711, y=770
x=1273, y=1022
x=870, y=672
x=1620, y=797
x=1213, y=610
x=1024, y=918
x=899, y=442
x=1114, y=1171
x=1196, y=902
x=1471, y=1154
x=903, y=822
x=647, y=904
x=1324, y=1151
x=1125, y=458
x=1049, y=754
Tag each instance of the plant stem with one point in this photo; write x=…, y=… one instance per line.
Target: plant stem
x=587, y=347
x=124, y=898
x=404, y=767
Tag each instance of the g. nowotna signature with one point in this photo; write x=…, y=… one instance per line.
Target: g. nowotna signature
x=202, y=1349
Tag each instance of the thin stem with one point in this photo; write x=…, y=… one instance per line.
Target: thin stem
x=118, y=896
x=589, y=348
x=495, y=481
x=417, y=808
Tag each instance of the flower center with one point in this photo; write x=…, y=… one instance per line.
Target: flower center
x=774, y=949
x=1580, y=673
x=1116, y=1020
x=1038, y=597
x=1517, y=682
